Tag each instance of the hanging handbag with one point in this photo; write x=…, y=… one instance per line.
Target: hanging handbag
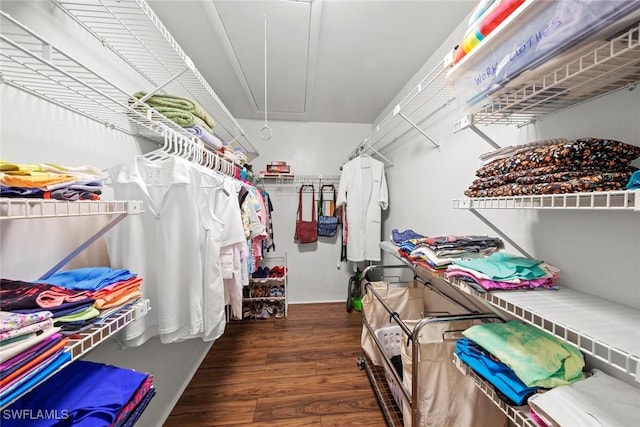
x=327, y=224
x=306, y=231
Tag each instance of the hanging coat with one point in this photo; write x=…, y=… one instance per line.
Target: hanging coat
x=363, y=187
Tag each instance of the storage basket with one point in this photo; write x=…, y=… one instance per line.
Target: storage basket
x=390, y=338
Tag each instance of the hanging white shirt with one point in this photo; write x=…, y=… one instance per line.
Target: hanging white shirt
x=363, y=187
x=162, y=245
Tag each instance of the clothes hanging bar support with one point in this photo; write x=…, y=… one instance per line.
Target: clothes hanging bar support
x=469, y=122
x=418, y=129
x=159, y=88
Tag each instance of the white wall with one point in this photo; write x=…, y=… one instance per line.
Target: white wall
x=315, y=273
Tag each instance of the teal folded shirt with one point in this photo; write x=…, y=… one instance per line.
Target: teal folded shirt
x=503, y=266
x=537, y=358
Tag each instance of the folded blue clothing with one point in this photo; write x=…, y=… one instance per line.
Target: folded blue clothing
x=206, y=137
x=634, y=181
x=398, y=237
x=31, y=380
x=505, y=381
x=90, y=394
x=88, y=278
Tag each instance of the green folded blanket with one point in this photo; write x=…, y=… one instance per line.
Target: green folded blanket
x=178, y=103
x=538, y=358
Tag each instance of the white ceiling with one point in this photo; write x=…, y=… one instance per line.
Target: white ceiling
x=327, y=60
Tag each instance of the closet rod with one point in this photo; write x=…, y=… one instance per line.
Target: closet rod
x=363, y=148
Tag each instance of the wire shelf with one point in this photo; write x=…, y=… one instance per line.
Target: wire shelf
x=81, y=343
x=134, y=32
x=601, y=200
x=297, y=180
x=45, y=208
x=32, y=64
x=609, y=67
x=516, y=414
x=612, y=337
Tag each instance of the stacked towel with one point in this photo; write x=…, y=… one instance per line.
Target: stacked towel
x=182, y=111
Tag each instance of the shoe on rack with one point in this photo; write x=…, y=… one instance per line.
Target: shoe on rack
x=280, y=311
x=263, y=313
x=282, y=270
x=273, y=292
x=280, y=291
x=274, y=271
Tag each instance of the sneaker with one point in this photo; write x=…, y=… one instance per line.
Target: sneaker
x=280, y=310
x=263, y=313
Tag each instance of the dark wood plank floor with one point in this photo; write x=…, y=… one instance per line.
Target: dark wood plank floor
x=299, y=371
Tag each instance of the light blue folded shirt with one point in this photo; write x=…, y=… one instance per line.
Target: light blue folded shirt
x=88, y=278
x=503, y=266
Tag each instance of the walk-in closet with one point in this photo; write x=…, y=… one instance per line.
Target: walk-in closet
x=320, y=213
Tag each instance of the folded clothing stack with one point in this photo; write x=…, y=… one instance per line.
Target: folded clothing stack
x=87, y=393
x=582, y=165
x=182, y=111
x=49, y=181
x=519, y=360
x=77, y=298
x=436, y=253
x=503, y=271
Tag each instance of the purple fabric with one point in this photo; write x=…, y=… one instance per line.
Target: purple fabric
x=25, y=357
x=492, y=285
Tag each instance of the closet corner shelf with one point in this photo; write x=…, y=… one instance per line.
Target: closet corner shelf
x=516, y=414
x=46, y=208
x=82, y=342
x=133, y=32
x=600, y=328
x=426, y=99
x=602, y=200
x=610, y=66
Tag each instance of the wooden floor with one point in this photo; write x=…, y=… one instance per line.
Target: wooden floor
x=299, y=371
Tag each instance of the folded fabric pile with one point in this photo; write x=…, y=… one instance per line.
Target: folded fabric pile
x=235, y=155
x=555, y=167
x=599, y=400
x=86, y=393
x=399, y=237
x=519, y=359
x=49, y=181
x=503, y=271
x=436, y=253
x=31, y=348
x=77, y=299
x=182, y=111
